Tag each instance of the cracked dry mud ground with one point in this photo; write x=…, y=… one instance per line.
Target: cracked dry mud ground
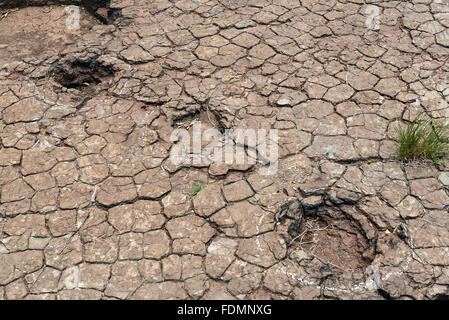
x=87, y=115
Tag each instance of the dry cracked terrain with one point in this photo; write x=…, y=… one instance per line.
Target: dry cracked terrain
x=92, y=207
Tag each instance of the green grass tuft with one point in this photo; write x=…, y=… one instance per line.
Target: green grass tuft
x=197, y=189
x=423, y=139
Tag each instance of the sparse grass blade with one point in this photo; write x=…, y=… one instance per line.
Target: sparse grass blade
x=423, y=139
x=196, y=189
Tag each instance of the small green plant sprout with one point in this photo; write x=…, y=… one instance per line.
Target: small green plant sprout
x=197, y=189
x=47, y=76
x=423, y=138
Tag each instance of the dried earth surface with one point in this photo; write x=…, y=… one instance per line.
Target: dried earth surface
x=92, y=207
